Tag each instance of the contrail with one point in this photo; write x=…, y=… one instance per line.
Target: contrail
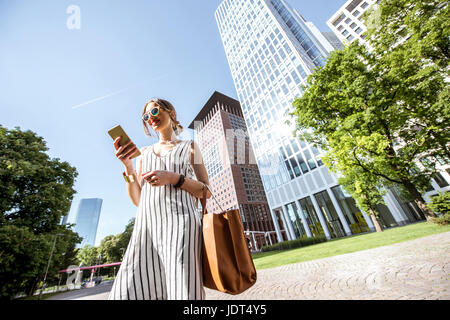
x=122, y=90
x=98, y=99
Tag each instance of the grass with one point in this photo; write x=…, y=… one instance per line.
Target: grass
x=355, y=243
x=44, y=296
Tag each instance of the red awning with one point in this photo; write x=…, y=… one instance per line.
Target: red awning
x=94, y=267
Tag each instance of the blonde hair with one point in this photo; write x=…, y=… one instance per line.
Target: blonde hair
x=166, y=105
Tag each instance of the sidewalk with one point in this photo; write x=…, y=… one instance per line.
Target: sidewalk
x=415, y=269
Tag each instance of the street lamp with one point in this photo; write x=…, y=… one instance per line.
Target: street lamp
x=99, y=260
x=48, y=264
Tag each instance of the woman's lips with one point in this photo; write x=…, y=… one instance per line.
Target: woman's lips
x=155, y=122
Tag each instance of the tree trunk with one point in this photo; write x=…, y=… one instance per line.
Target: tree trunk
x=377, y=225
x=32, y=288
x=418, y=200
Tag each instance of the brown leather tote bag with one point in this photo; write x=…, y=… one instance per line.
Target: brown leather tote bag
x=227, y=264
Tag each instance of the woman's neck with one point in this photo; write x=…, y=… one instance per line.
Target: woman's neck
x=167, y=135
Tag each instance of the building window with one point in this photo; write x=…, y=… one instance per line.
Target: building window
x=330, y=214
x=309, y=159
x=353, y=25
x=351, y=212
x=295, y=220
x=364, y=5
x=302, y=163
x=356, y=13
x=339, y=19
x=311, y=217
x=350, y=38
x=345, y=33
x=358, y=30
x=440, y=180
x=295, y=167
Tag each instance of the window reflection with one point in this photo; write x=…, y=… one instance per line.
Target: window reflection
x=352, y=214
x=295, y=167
x=302, y=163
x=330, y=214
x=309, y=159
x=311, y=217
x=295, y=219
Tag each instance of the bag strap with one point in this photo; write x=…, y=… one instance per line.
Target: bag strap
x=203, y=199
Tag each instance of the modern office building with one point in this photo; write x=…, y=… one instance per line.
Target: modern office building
x=347, y=23
x=63, y=220
x=86, y=222
x=221, y=134
x=271, y=49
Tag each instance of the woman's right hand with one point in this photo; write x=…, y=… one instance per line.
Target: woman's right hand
x=124, y=153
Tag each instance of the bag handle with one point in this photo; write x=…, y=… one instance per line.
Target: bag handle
x=203, y=199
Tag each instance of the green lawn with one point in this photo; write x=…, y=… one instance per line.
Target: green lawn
x=346, y=245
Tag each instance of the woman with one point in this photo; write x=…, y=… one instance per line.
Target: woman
x=163, y=257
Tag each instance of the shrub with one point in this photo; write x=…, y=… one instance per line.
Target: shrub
x=292, y=244
x=441, y=205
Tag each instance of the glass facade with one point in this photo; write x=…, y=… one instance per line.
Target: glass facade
x=329, y=212
x=271, y=50
x=351, y=212
x=295, y=220
x=311, y=217
x=86, y=222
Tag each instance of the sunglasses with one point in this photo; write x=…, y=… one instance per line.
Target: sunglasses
x=153, y=112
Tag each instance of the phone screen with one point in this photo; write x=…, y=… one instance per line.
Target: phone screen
x=118, y=131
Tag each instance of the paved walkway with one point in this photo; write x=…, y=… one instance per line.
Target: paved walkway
x=416, y=269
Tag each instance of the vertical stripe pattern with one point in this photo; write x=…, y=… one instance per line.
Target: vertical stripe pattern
x=163, y=258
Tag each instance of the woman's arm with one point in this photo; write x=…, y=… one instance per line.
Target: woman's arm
x=134, y=188
x=190, y=185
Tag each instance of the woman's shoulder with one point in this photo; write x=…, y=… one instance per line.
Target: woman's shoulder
x=145, y=149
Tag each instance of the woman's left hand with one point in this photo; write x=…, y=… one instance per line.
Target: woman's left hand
x=160, y=177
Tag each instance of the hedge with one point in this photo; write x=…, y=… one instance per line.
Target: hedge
x=292, y=244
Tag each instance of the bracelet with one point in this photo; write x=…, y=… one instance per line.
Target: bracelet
x=180, y=181
x=130, y=178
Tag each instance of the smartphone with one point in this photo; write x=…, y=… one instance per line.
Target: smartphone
x=117, y=131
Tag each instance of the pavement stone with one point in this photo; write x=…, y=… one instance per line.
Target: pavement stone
x=416, y=269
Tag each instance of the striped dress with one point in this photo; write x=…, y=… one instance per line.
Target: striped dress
x=163, y=257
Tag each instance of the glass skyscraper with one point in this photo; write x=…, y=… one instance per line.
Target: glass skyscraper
x=86, y=222
x=271, y=49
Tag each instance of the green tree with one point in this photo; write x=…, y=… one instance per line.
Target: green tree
x=366, y=189
x=390, y=105
x=393, y=111
x=35, y=191
x=22, y=258
x=411, y=40
x=124, y=237
x=110, y=250
x=88, y=255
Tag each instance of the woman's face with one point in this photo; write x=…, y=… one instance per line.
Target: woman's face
x=161, y=121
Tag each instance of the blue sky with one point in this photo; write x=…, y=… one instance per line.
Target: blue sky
x=71, y=86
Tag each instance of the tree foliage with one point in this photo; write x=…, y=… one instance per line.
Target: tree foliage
x=386, y=109
x=35, y=191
